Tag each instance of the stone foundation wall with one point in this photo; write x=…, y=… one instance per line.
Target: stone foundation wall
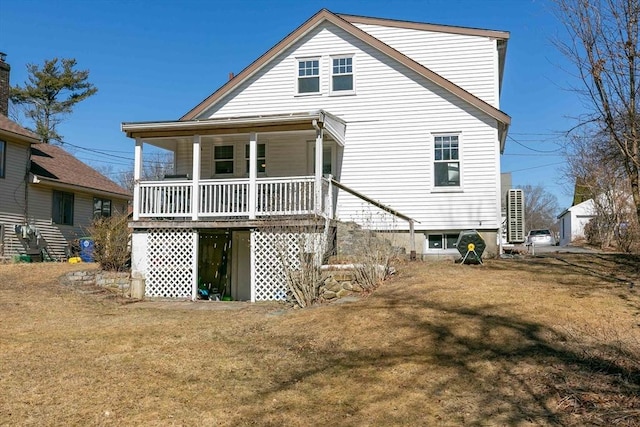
x=115, y=281
x=338, y=284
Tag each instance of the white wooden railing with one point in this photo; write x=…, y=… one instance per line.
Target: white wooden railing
x=219, y=198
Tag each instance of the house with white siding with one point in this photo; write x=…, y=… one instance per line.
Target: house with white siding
x=48, y=198
x=346, y=114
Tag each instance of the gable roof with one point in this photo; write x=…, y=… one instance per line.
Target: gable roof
x=54, y=165
x=11, y=129
x=342, y=22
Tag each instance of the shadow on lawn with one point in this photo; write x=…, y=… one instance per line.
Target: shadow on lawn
x=462, y=366
x=616, y=272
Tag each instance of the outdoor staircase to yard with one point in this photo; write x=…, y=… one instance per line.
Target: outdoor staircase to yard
x=33, y=243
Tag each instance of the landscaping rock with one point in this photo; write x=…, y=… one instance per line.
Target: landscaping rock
x=329, y=295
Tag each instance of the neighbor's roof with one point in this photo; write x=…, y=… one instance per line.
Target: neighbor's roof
x=55, y=166
x=345, y=22
x=11, y=129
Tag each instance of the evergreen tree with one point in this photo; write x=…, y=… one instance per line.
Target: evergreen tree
x=50, y=93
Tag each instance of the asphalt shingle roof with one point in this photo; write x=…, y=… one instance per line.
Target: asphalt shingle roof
x=9, y=125
x=52, y=162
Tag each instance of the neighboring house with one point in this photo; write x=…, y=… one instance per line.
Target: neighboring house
x=48, y=198
x=573, y=221
x=346, y=114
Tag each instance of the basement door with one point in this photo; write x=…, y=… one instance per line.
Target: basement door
x=214, y=251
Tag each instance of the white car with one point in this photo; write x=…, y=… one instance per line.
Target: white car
x=541, y=237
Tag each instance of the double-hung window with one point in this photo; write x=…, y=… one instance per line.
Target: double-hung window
x=308, y=76
x=62, y=212
x=262, y=158
x=223, y=159
x=101, y=208
x=446, y=161
x=342, y=75
x=3, y=158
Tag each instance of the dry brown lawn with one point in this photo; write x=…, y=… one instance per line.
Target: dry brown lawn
x=538, y=341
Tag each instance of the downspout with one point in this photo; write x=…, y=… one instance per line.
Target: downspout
x=26, y=188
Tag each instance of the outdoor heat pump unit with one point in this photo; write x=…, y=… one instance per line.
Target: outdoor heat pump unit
x=515, y=216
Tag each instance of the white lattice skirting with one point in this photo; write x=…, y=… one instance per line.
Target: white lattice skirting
x=271, y=251
x=170, y=257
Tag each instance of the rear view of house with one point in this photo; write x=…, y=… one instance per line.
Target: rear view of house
x=394, y=125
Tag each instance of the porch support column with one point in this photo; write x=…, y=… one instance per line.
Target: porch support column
x=137, y=173
x=195, y=179
x=318, y=169
x=253, y=173
x=412, y=241
x=195, y=236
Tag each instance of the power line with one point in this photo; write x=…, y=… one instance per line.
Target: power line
x=531, y=155
x=557, y=150
x=537, y=167
x=93, y=150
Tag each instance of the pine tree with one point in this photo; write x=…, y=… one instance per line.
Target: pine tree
x=50, y=93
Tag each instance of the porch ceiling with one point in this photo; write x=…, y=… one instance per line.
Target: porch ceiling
x=331, y=124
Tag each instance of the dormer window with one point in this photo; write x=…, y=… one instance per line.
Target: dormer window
x=308, y=76
x=342, y=75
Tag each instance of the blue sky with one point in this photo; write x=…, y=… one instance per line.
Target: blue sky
x=156, y=59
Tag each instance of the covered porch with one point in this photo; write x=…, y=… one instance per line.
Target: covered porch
x=240, y=168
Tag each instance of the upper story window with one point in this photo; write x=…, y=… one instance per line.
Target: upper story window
x=62, y=212
x=101, y=208
x=3, y=157
x=223, y=159
x=309, y=76
x=342, y=74
x=446, y=161
x=262, y=158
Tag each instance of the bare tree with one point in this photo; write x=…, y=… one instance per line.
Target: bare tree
x=155, y=168
x=603, y=45
x=595, y=164
x=540, y=208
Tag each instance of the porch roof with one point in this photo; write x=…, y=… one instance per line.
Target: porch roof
x=331, y=124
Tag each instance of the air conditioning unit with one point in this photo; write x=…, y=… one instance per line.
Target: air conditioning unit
x=515, y=216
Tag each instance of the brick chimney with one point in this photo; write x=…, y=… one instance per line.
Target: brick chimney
x=4, y=85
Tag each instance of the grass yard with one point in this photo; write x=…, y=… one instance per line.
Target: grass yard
x=538, y=341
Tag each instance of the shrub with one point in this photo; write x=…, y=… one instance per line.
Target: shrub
x=111, y=238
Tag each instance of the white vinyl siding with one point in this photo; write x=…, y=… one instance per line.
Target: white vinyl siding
x=468, y=61
x=394, y=113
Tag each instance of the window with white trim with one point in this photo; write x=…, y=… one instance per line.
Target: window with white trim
x=309, y=76
x=223, y=159
x=342, y=74
x=262, y=158
x=446, y=161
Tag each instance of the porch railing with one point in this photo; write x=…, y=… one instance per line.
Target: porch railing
x=231, y=198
